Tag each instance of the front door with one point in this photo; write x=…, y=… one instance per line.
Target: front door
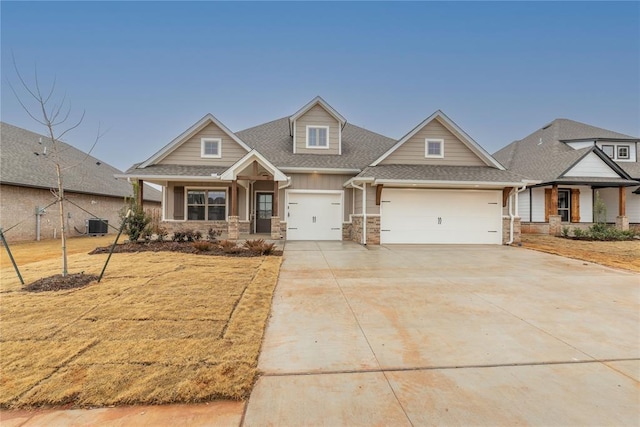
x=264, y=210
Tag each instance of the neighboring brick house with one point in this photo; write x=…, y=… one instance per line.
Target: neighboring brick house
x=27, y=177
x=573, y=161
x=314, y=176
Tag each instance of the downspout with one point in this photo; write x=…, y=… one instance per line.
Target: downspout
x=364, y=210
x=512, y=215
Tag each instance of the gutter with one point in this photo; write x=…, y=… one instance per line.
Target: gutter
x=513, y=216
x=363, y=188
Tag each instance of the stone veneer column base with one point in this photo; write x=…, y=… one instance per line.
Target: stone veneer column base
x=275, y=227
x=622, y=223
x=517, y=230
x=555, y=225
x=233, y=230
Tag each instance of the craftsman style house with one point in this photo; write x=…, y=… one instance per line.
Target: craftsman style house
x=314, y=176
x=573, y=162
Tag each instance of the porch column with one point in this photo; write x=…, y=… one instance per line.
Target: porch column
x=233, y=226
x=234, y=198
x=555, y=220
x=622, y=221
x=275, y=219
x=140, y=194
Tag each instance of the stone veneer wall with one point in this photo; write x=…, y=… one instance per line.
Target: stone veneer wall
x=373, y=229
x=201, y=226
x=517, y=230
x=346, y=231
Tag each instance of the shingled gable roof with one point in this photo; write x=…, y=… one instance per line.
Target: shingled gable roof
x=452, y=127
x=24, y=163
x=544, y=156
x=195, y=128
x=360, y=147
x=315, y=101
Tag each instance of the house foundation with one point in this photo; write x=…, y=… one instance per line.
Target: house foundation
x=517, y=230
x=373, y=229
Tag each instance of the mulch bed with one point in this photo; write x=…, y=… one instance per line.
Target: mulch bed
x=60, y=282
x=183, y=247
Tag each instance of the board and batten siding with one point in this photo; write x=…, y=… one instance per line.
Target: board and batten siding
x=317, y=181
x=592, y=165
x=188, y=153
x=317, y=116
x=610, y=197
x=412, y=152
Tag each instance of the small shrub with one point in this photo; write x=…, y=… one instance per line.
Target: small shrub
x=578, y=233
x=259, y=246
x=229, y=247
x=213, y=235
x=565, y=231
x=178, y=236
x=136, y=225
x=202, y=246
x=161, y=234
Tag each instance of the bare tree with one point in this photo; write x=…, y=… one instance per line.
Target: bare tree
x=54, y=113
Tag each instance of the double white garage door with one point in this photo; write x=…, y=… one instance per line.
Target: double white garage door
x=440, y=216
x=406, y=216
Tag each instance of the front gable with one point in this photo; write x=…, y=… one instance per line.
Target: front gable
x=437, y=141
x=593, y=165
x=207, y=143
x=317, y=129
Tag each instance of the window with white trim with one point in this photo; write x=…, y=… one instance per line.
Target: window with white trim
x=206, y=205
x=434, y=148
x=609, y=150
x=623, y=151
x=211, y=148
x=317, y=136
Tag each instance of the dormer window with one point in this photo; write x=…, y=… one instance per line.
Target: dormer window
x=317, y=137
x=434, y=148
x=609, y=150
x=211, y=148
x=623, y=151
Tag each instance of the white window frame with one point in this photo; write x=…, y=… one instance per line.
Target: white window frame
x=322, y=147
x=426, y=148
x=205, y=189
x=626, y=147
x=613, y=150
x=203, y=143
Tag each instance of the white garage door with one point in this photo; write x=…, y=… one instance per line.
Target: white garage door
x=440, y=216
x=314, y=216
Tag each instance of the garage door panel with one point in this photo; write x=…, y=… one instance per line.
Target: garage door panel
x=441, y=216
x=314, y=216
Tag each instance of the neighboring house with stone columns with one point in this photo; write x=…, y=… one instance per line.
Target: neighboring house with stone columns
x=27, y=177
x=314, y=176
x=572, y=162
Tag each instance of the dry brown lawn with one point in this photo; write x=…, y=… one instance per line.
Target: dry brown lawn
x=160, y=328
x=625, y=255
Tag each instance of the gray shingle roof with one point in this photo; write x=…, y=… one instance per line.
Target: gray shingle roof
x=543, y=156
x=176, y=170
x=23, y=163
x=440, y=173
x=360, y=147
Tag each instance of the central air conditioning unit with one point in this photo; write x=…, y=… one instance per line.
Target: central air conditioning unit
x=97, y=226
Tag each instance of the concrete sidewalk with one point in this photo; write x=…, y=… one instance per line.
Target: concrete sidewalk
x=448, y=335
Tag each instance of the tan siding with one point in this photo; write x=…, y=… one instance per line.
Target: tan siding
x=372, y=208
x=189, y=152
x=320, y=117
x=455, y=152
x=205, y=185
x=316, y=181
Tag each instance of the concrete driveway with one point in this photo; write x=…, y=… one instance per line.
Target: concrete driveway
x=448, y=335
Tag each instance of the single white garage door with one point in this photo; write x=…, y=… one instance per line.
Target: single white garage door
x=314, y=216
x=440, y=216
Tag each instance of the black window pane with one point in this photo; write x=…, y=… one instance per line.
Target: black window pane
x=216, y=213
x=195, y=198
x=217, y=197
x=195, y=213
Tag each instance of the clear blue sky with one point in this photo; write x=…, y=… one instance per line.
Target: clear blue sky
x=148, y=70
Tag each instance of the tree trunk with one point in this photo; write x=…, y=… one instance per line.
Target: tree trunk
x=62, y=227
